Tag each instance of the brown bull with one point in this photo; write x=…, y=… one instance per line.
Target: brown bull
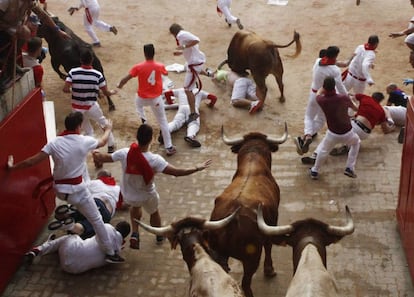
x=252, y=184
x=247, y=50
x=308, y=239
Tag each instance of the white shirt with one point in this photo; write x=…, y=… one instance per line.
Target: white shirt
x=362, y=63
x=89, y=3
x=69, y=156
x=29, y=61
x=132, y=185
x=192, y=54
x=105, y=192
x=321, y=72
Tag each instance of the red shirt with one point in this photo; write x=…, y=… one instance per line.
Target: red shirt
x=335, y=107
x=38, y=74
x=149, y=78
x=370, y=109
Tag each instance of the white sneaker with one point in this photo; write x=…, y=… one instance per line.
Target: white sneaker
x=210, y=73
x=253, y=105
x=66, y=224
x=171, y=151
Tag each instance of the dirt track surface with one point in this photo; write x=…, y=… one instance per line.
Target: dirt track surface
x=369, y=262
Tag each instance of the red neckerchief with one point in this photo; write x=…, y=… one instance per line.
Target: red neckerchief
x=86, y=66
x=88, y=16
x=219, y=12
x=369, y=47
x=137, y=164
x=108, y=180
x=325, y=61
x=194, y=77
x=68, y=132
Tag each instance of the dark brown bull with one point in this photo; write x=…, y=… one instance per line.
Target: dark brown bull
x=308, y=239
x=208, y=279
x=252, y=184
x=247, y=50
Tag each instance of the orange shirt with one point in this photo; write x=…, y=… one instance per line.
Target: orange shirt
x=149, y=78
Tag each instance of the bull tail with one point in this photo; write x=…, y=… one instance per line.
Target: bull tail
x=222, y=64
x=296, y=39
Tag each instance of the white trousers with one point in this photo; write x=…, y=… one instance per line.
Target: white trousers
x=180, y=118
x=358, y=130
x=351, y=139
x=314, y=116
x=94, y=14
x=94, y=113
x=398, y=114
x=157, y=107
x=355, y=84
x=224, y=6
x=85, y=204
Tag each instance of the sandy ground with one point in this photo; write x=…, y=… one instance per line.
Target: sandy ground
x=321, y=23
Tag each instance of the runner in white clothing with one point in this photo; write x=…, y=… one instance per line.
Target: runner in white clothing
x=139, y=166
x=69, y=151
x=358, y=75
x=243, y=94
x=223, y=7
x=78, y=255
x=183, y=113
x=187, y=45
x=91, y=18
x=314, y=116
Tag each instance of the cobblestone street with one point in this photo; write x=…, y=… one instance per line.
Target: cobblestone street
x=368, y=263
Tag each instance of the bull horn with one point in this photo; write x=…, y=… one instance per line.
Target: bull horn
x=344, y=230
x=212, y=225
x=279, y=140
x=155, y=230
x=229, y=141
x=271, y=230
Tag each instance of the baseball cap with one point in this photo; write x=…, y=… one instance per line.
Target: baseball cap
x=34, y=19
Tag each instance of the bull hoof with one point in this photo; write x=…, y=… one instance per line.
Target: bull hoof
x=282, y=99
x=269, y=272
x=111, y=107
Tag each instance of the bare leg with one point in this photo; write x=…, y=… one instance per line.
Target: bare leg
x=155, y=219
x=191, y=100
x=135, y=213
x=241, y=103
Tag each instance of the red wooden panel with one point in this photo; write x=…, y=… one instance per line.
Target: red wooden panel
x=406, y=169
x=26, y=201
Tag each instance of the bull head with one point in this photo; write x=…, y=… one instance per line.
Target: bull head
x=269, y=138
x=283, y=230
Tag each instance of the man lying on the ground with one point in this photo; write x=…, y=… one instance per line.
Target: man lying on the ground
x=78, y=255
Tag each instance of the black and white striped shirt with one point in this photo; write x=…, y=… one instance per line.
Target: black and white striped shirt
x=86, y=83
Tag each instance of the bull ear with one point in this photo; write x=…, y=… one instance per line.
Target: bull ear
x=236, y=148
x=174, y=242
